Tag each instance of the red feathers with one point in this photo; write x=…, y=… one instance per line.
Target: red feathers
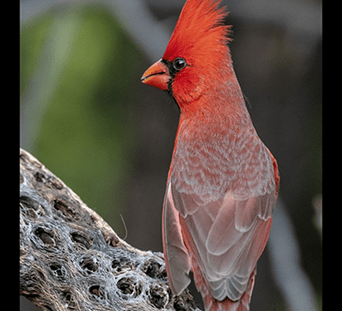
x=223, y=181
x=200, y=37
x=200, y=34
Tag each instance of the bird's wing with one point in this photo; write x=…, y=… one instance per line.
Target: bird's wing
x=225, y=237
x=177, y=259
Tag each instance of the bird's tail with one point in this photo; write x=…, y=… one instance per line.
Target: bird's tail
x=211, y=304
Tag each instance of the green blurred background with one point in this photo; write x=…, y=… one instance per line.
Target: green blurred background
x=87, y=117
x=85, y=132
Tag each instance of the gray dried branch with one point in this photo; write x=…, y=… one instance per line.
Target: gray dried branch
x=71, y=259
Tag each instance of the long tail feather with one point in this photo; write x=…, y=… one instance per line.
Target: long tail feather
x=211, y=304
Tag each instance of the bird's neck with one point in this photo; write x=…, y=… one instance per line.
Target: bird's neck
x=221, y=105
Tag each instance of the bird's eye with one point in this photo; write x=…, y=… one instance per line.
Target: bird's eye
x=179, y=63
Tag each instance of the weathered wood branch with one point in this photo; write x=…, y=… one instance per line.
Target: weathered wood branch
x=71, y=259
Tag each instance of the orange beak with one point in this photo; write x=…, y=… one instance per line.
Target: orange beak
x=157, y=75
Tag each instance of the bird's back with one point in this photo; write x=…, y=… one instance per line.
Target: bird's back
x=222, y=191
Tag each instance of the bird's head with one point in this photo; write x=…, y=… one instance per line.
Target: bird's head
x=195, y=54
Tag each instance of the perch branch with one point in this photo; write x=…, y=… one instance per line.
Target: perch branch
x=71, y=259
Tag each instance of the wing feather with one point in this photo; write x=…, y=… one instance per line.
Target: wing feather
x=226, y=255
x=222, y=217
x=228, y=237
x=177, y=259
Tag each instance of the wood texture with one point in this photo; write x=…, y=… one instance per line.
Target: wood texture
x=71, y=259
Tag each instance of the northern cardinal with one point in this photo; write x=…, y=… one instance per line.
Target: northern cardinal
x=223, y=181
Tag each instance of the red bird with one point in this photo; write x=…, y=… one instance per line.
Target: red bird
x=223, y=181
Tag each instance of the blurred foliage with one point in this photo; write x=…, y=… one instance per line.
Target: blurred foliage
x=85, y=136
